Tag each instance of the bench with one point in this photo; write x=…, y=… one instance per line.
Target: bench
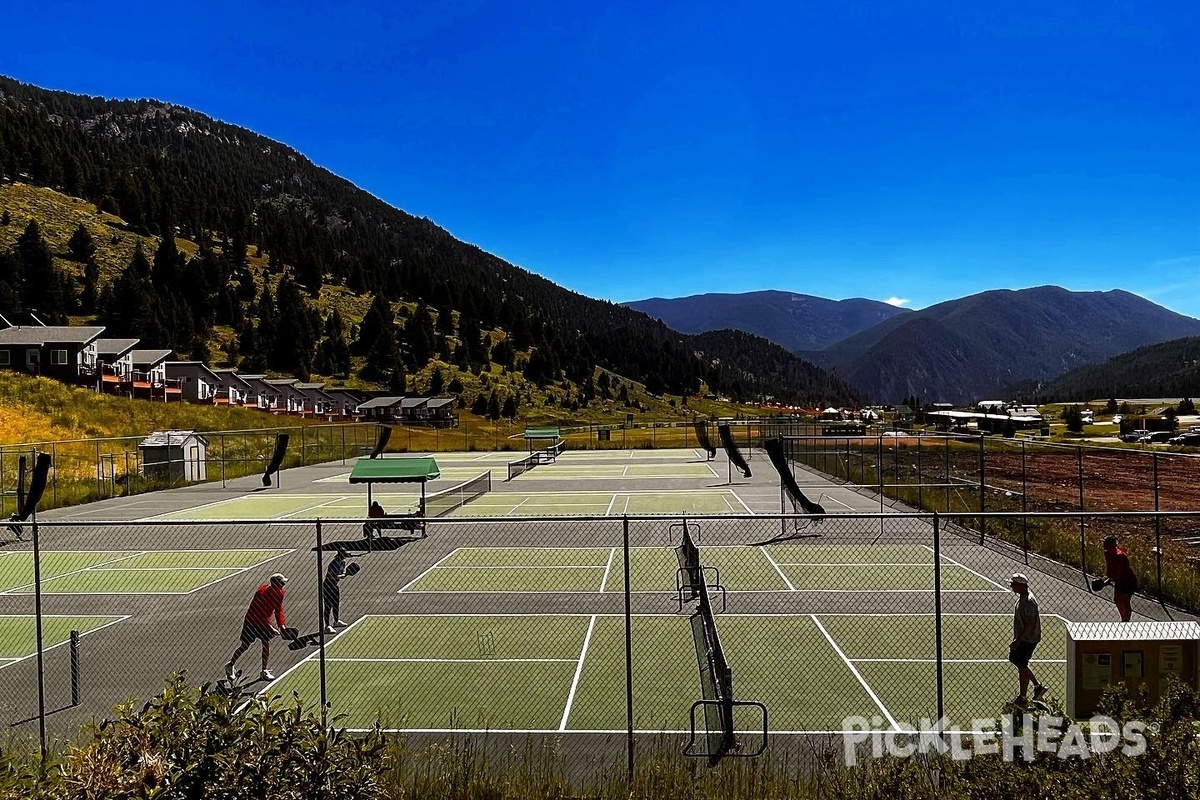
x=405, y=522
x=691, y=577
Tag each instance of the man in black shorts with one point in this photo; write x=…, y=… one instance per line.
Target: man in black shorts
x=257, y=624
x=1027, y=632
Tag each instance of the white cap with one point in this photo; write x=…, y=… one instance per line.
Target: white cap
x=1019, y=577
x=279, y=578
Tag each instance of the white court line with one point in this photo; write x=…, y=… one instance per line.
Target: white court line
x=155, y=569
x=578, y=671
x=968, y=569
x=887, y=714
x=240, y=571
x=167, y=514
x=612, y=552
x=426, y=572
x=738, y=497
x=668, y=593
x=335, y=501
x=231, y=572
x=119, y=618
x=310, y=657
x=455, y=660
x=853, y=564
x=791, y=588
x=833, y=499
x=611, y=502
x=515, y=508
x=546, y=567
x=45, y=580
x=953, y=660
x=621, y=731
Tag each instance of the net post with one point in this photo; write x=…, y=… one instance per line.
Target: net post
x=75, y=678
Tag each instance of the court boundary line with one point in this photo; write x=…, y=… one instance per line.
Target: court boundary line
x=430, y=569
x=587, y=640
x=113, y=620
x=103, y=566
x=775, y=564
x=953, y=660
x=854, y=671
x=612, y=553
x=968, y=569
x=361, y=660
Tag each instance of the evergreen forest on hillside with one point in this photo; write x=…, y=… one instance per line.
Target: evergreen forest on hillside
x=243, y=242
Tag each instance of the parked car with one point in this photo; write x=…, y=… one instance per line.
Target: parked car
x=1116, y=420
x=1190, y=439
x=1133, y=436
x=1156, y=437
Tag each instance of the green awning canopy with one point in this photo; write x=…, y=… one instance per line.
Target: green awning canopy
x=542, y=433
x=394, y=470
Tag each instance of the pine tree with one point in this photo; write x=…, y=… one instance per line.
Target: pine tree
x=43, y=286
x=81, y=245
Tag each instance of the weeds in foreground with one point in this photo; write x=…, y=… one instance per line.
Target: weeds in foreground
x=193, y=742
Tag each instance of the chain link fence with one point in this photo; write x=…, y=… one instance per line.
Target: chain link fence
x=574, y=628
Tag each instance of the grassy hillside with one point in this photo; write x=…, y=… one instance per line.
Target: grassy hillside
x=58, y=215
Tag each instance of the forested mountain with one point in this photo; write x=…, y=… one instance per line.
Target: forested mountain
x=1169, y=369
x=798, y=322
x=982, y=345
x=172, y=172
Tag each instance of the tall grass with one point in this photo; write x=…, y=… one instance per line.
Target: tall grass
x=191, y=742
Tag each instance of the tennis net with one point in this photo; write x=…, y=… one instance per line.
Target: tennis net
x=443, y=502
x=716, y=682
x=522, y=465
x=554, y=451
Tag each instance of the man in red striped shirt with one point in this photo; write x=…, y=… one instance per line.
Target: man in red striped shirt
x=1121, y=576
x=267, y=603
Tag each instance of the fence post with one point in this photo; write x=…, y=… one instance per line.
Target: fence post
x=982, y=488
x=75, y=680
x=628, y=659
x=920, y=476
x=1024, y=506
x=321, y=624
x=1082, y=528
x=41, y=653
x=946, y=477
x=937, y=614
x=1157, y=531
x=54, y=460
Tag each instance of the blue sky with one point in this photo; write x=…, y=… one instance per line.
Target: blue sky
x=916, y=151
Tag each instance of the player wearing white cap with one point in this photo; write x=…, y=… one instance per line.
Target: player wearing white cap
x=1027, y=632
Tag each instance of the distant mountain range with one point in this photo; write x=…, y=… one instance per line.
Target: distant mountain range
x=799, y=322
x=985, y=345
